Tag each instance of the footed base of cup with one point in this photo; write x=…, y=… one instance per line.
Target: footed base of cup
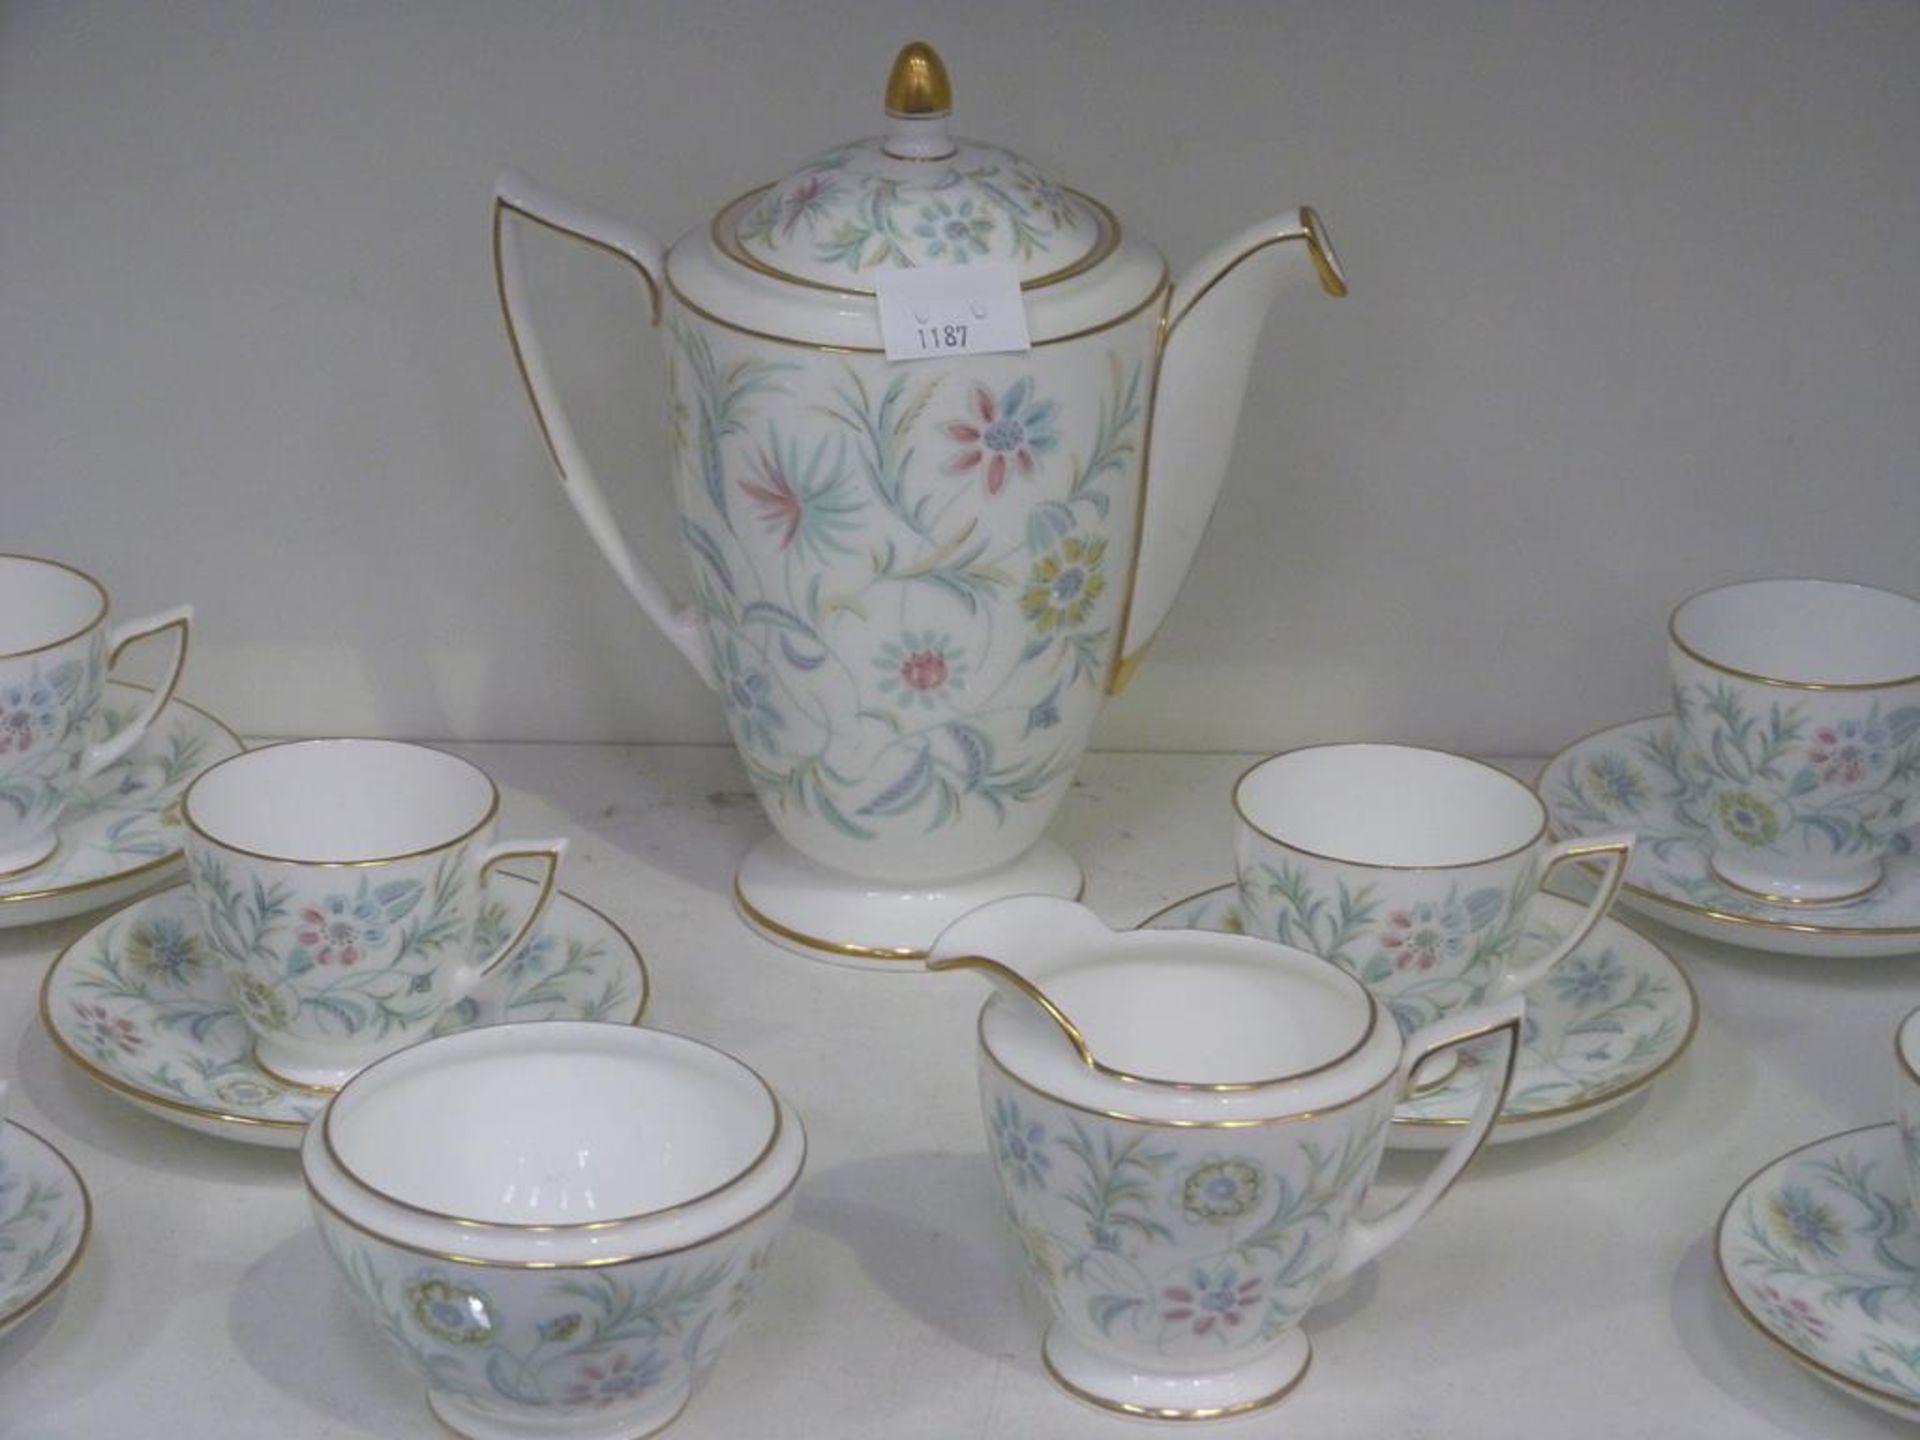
x=1258, y=1381
x=1841, y=887
x=630, y=1423
x=875, y=924
x=303, y=1073
x=23, y=858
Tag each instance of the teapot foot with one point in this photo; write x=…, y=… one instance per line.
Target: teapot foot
x=1114, y=1384
x=827, y=914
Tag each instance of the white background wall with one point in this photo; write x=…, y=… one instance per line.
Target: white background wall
x=1636, y=308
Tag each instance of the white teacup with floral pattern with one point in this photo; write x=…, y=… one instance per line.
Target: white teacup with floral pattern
x=55, y=652
x=1411, y=869
x=557, y=1225
x=341, y=883
x=1799, y=703
x=1184, y=1124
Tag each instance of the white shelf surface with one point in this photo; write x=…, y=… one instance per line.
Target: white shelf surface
x=1565, y=1288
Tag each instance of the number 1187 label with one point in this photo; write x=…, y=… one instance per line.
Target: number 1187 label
x=972, y=309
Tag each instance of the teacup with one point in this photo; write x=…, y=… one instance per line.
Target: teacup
x=56, y=651
x=1185, y=1125
x=1411, y=869
x=556, y=1224
x=342, y=884
x=1798, y=702
x=1906, y=1050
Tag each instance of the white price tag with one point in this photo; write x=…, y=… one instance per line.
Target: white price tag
x=951, y=310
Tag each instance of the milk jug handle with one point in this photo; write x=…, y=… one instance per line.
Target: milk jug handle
x=1365, y=1239
x=516, y=198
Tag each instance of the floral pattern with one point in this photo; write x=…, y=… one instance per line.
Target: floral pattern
x=364, y=964
x=47, y=706
x=856, y=210
x=43, y=1221
x=1820, y=1251
x=173, y=1031
x=1424, y=956
x=905, y=579
x=1805, y=780
x=1150, y=1240
x=549, y=1346
x=1607, y=1020
x=123, y=827
x=1003, y=435
x=1640, y=777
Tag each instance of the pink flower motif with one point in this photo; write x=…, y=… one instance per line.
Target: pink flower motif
x=1216, y=1299
x=1009, y=432
x=804, y=201
x=1414, y=940
x=109, y=1032
x=16, y=731
x=924, y=670
x=1845, y=753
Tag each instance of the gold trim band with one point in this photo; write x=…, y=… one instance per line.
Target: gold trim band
x=46, y=1292
x=193, y=826
x=1106, y=241
x=99, y=616
x=1539, y=834
x=1169, y=1412
x=564, y=1227
x=1892, y=683
x=599, y=1262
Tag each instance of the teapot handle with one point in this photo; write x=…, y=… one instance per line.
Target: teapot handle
x=1367, y=1238
x=515, y=196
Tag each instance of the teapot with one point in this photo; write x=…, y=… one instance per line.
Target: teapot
x=914, y=581
x=1185, y=1125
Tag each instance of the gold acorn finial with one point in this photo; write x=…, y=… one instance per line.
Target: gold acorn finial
x=918, y=83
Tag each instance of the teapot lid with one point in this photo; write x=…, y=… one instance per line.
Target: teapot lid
x=914, y=197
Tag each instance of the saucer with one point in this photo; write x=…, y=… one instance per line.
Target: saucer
x=139, y=1004
x=1630, y=777
x=123, y=834
x=1609, y=1019
x=1821, y=1253
x=45, y=1218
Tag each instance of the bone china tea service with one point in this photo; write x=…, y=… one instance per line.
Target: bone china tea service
x=56, y=650
x=912, y=586
x=1411, y=869
x=915, y=583
x=557, y=1224
x=1184, y=1125
x=341, y=884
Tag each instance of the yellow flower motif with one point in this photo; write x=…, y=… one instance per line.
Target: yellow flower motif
x=1748, y=818
x=262, y=1002
x=449, y=1312
x=1064, y=585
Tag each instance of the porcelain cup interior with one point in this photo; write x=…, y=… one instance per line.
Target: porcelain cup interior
x=1799, y=703
x=1907, y=1054
x=43, y=603
x=608, y=1128
x=1251, y=1013
x=340, y=802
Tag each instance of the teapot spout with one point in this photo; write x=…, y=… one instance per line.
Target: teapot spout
x=1207, y=338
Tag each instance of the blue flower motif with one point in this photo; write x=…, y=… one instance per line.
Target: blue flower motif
x=1616, y=784
x=747, y=694
x=1582, y=980
x=954, y=232
x=1021, y=1145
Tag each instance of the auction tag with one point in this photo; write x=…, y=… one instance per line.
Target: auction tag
x=934, y=310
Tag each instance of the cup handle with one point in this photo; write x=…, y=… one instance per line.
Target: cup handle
x=1365, y=1239
x=179, y=620
x=1617, y=849
x=548, y=853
